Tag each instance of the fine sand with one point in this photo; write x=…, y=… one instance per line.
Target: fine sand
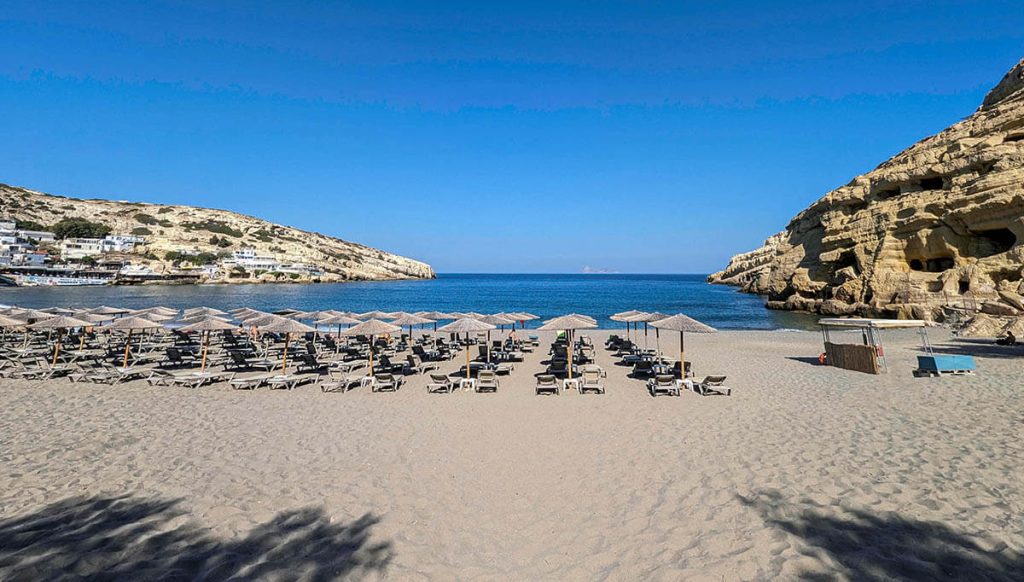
x=805, y=470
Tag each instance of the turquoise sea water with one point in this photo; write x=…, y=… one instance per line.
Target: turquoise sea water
x=545, y=295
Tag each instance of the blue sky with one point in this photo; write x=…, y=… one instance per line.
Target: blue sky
x=487, y=137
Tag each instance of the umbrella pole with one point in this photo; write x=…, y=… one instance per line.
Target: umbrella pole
x=370, y=373
x=467, y=362
x=206, y=347
x=56, y=349
x=127, y=347
x=284, y=360
x=645, y=336
x=682, y=356
x=572, y=352
x=488, y=346
x=81, y=341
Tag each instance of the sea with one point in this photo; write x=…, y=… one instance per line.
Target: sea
x=547, y=296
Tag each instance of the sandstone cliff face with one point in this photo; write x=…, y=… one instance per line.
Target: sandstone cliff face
x=174, y=228
x=941, y=223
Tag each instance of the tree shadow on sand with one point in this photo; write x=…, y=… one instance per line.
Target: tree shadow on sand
x=125, y=538
x=873, y=546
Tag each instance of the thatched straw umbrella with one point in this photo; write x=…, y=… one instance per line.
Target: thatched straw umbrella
x=467, y=325
x=93, y=320
x=130, y=324
x=682, y=324
x=189, y=320
x=193, y=311
x=8, y=322
x=371, y=328
x=373, y=315
x=29, y=315
x=646, y=318
x=339, y=320
x=435, y=316
x=525, y=316
x=410, y=320
x=162, y=311
x=205, y=326
x=263, y=320
x=59, y=323
x=568, y=324
x=105, y=310
x=59, y=310
x=624, y=317
x=287, y=327
x=497, y=320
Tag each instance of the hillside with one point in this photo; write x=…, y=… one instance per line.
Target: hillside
x=205, y=230
x=939, y=224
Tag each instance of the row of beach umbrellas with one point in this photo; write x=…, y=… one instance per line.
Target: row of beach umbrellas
x=205, y=320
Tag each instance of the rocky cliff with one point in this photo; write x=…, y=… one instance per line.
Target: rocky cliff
x=187, y=228
x=939, y=224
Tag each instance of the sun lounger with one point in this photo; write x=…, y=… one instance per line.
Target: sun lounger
x=547, y=384
x=590, y=381
x=643, y=369
x=341, y=382
x=44, y=371
x=558, y=368
x=288, y=381
x=417, y=366
x=386, y=383
x=200, y=379
x=440, y=383
x=114, y=375
x=309, y=363
x=240, y=362
x=348, y=366
x=663, y=384
x=712, y=384
x=250, y=383
x=487, y=381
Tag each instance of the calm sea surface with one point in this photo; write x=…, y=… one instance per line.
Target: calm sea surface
x=545, y=295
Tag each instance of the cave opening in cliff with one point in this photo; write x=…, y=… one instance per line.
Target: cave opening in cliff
x=963, y=287
x=983, y=168
x=993, y=242
x=931, y=183
x=939, y=264
x=888, y=193
x=1014, y=137
x=935, y=265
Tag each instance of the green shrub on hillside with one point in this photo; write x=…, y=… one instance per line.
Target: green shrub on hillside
x=79, y=228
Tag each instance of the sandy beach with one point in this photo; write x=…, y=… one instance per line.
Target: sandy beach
x=803, y=471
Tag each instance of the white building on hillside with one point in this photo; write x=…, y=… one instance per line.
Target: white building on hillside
x=37, y=235
x=250, y=261
x=79, y=248
x=121, y=243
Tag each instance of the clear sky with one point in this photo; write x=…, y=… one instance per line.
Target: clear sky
x=491, y=137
